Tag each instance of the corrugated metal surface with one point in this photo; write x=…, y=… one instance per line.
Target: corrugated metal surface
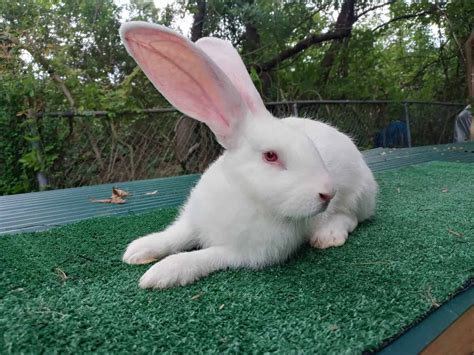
x=383, y=159
x=42, y=210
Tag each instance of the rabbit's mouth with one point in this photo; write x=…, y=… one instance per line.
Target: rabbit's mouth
x=306, y=212
x=322, y=208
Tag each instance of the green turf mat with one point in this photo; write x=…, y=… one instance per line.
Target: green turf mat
x=66, y=290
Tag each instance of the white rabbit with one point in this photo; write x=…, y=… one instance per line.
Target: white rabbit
x=278, y=184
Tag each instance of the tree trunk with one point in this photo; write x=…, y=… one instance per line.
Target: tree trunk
x=198, y=22
x=252, y=44
x=345, y=21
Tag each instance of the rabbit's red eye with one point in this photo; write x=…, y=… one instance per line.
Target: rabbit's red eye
x=270, y=156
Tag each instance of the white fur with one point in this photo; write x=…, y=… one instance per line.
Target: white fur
x=245, y=212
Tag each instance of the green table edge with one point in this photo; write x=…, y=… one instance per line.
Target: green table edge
x=420, y=334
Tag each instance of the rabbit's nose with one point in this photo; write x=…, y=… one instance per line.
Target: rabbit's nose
x=326, y=197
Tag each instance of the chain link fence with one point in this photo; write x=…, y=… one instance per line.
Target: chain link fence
x=371, y=123
x=100, y=147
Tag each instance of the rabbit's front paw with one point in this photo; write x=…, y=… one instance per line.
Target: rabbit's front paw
x=143, y=250
x=169, y=272
x=327, y=238
x=333, y=231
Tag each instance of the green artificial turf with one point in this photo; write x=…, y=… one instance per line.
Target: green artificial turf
x=66, y=290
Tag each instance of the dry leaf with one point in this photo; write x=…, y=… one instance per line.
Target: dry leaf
x=197, y=296
x=107, y=200
x=114, y=200
x=62, y=275
x=117, y=200
x=116, y=197
x=457, y=234
x=119, y=193
x=220, y=307
x=151, y=193
x=431, y=299
x=398, y=189
x=445, y=189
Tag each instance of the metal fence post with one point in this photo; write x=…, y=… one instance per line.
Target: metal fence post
x=407, y=121
x=295, y=109
x=35, y=147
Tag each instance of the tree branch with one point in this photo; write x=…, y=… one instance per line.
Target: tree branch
x=307, y=18
x=341, y=30
x=64, y=89
x=365, y=12
x=406, y=17
x=307, y=42
x=35, y=53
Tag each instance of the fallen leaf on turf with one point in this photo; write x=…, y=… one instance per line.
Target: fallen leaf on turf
x=457, y=234
x=197, y=296
x=151, y=193
x=62, y=275
x=431, y=299
x=445, y=189
x=220, y=307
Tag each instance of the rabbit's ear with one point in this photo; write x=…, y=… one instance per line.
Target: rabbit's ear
x=228, y=59
x=186, y=77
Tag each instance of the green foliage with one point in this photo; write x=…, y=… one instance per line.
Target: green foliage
x=39, y=161
x=59, y=55
x=13, y=144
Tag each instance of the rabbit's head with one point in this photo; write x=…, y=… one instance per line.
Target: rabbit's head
x=275, y=164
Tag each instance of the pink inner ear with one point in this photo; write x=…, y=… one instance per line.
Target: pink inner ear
x=228, y=59
x=185, y=76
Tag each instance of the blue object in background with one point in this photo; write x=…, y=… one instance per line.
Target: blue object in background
x=395, y=135
x=462, y=125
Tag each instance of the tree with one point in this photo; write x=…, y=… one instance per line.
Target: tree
x=58, y=55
